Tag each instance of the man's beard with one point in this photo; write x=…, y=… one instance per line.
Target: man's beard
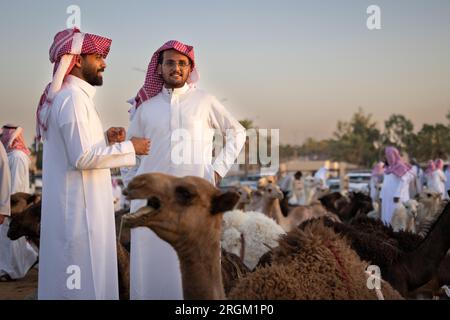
x=92, y=77
x=172, y=83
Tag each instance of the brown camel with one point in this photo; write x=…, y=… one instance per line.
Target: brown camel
x=187, y=213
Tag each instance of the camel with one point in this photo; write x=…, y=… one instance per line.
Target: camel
x=406, y=260
x=187, y=213
x=245, y=196
x=358, y=204
x=271, y=207
x=27, y=223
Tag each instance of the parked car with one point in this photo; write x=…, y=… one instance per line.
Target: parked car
x=359, y=181
x=334, y=184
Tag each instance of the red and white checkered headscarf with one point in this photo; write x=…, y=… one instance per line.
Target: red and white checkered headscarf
x=12, y=139
x=66, y=45
x=396, y=164
x=154, y=82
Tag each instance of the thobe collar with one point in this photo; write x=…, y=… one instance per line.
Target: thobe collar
x=83, y=85
x=177, y=91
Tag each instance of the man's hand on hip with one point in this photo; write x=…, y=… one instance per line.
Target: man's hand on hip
x=217, y=178
x=2, y=218
x=116, y=135
x=141, y=145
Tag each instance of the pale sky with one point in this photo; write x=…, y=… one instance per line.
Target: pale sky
x=299, y=66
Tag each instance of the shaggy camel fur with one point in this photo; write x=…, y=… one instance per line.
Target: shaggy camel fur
x=233, y=269
x=249, y=235
x=186, y=212
x=406, y=261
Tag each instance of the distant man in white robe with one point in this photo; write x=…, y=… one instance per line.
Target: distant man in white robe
x=5, y=185
x=396, y=181
x=447, y=179
x=78, y=258
x=16, y=257
x=321, y=176
x=179, y=119
x=375, y=181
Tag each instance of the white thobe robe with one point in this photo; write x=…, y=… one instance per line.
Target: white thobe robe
x=5, y=183
x=416, y=185
x=436, y=182
x=154, y=268
x=394, y=187
x=375, y=181
x=16, y=257
x=78, y=258
x=320, y=177
x=298, y=192
x=447, y=182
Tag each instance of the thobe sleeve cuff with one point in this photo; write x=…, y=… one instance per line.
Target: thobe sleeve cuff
x=5, y=210
x=220, y=168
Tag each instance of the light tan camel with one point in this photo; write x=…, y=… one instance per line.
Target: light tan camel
x=187, y=213
x=297, y=215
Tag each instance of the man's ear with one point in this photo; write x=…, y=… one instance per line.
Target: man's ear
x=159, y=69
x=224, y=202
x=78, y=61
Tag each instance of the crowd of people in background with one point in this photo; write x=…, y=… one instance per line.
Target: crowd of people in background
x=393, y=181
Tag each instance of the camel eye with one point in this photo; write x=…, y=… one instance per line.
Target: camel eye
x=184, y=196
x=240, y=193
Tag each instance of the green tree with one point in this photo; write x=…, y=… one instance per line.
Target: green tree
x=316, y=149
x=357, y=141
x=398, y=131
x=431, y=142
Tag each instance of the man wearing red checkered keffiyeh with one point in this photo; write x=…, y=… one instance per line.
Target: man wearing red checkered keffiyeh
x=180, y=120
x=78, y=257
x=16, y=256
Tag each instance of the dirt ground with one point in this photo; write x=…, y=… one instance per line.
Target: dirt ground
x=22, y=289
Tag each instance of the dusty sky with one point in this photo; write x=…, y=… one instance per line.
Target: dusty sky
x=294, y=65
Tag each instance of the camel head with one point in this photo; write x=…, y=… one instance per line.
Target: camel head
x=178, y=210
x=272, y=191
x=245, y=194
x=411, y=207
x=26, y=223
x=21, y=201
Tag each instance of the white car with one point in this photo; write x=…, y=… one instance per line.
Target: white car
x=359, y=181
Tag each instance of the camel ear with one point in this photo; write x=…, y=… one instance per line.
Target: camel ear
x=33, y=199
x=224, y=202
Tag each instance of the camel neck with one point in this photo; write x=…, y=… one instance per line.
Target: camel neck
x=424, y=261
x=201, y=270
x=273, y=209
x=433, y=248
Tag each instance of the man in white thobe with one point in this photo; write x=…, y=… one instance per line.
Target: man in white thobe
x=78, y=258
x=5, y=187
x=16, y=257
x=179, y=120
x=321, y=176
x=447, y=179
x=396, y=181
